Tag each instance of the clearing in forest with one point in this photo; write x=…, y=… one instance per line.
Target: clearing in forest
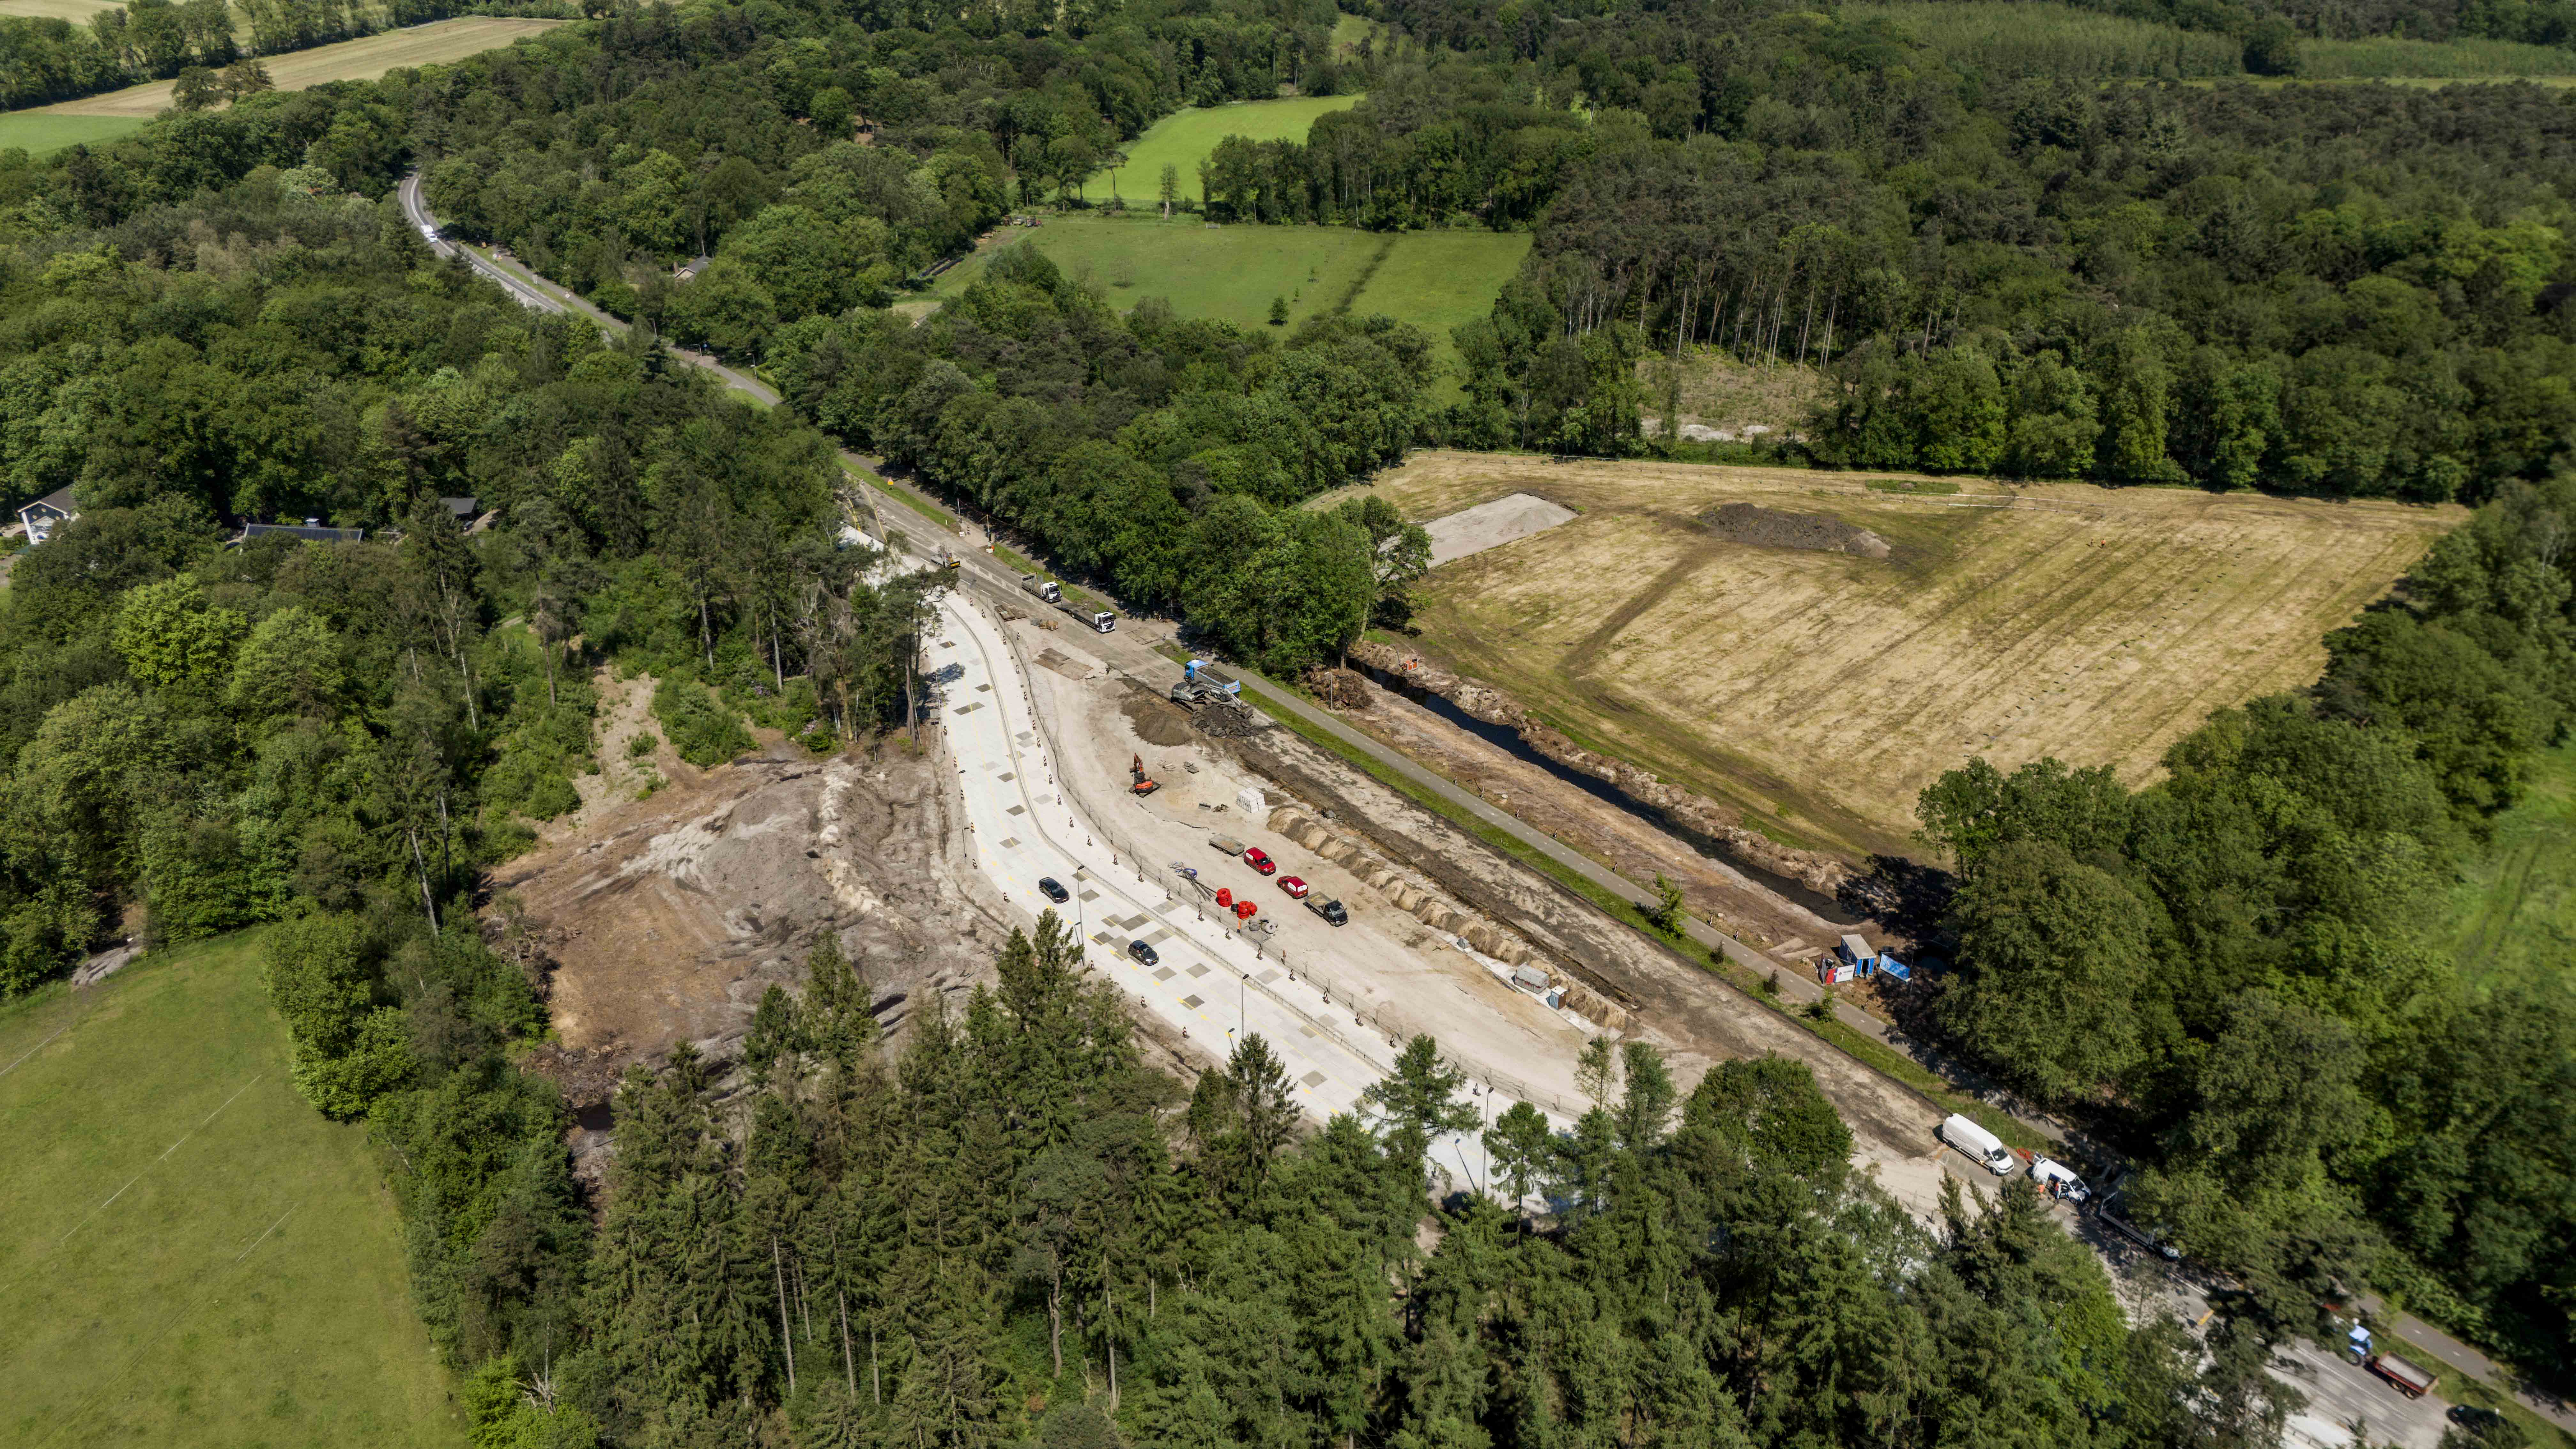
x=362, y=59
x=2514, y=917
x=41, y=134
x=1433, y=280
x=193, y=1254
x=1819, y=683
x=1184, y=138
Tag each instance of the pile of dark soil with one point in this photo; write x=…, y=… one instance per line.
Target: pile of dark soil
x=1156, y=721
x=1771, y=528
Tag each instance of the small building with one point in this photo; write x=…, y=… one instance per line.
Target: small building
x=462, y=509
x=48, y=513
x=1854, y=950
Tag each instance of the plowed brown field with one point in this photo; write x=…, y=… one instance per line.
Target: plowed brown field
x=1820, y=692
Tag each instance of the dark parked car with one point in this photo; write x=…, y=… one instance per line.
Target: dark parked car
x=1142, y=952
x=1047, y=887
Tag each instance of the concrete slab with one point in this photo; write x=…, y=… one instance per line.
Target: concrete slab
x=1491, y=525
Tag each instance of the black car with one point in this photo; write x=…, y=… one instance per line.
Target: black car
x=1142, y=952
x=1047, y=887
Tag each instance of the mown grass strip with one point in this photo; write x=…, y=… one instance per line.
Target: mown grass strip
x=913, y=501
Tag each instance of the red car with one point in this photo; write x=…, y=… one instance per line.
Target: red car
x=1253, y=857
x=1295, y=888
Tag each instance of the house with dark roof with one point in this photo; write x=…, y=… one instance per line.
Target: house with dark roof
x=48, y=513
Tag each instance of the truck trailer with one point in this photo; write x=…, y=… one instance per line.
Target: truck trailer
x=2405, y=1377
x=1098, y=621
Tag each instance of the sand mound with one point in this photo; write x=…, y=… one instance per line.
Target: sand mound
x=1771, y=528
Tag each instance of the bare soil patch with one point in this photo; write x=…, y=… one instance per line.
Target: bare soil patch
x=663, y=920
x=1772, y=528
x=1697, y=1018
x=1157, y=722
x=1716, y=893
x=1731, y=399
x=1819, y=692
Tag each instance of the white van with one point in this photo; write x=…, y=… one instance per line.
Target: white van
x=2058, y=1180
x=1978, y=1143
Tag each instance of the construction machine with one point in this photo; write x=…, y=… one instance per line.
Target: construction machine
x=1138, y=784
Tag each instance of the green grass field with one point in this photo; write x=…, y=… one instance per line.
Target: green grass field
x=43, y=134
x=1229, y=273
x=1439, y=279
x=192, y=1255
x=2008, y=39
x=1434, y=280
x=2388, y=58
x=2515, y=913
x=1184, y=138
x=2012, y=39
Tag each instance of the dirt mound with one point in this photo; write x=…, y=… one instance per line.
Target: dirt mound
x=666, y=919
x=1771, y=528
x=1340, y=688
x=1156, y=721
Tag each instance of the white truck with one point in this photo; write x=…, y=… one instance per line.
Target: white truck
x=1977, y=1142
x=1043, y=588
x=2058, y=1180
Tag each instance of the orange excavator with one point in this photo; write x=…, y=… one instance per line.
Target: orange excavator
x=1142, y=786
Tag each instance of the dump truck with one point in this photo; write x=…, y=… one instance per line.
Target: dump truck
x=1201, y=685
x=1043, y=588
x=2405, y=1377
x=1331, y=911
x=1098, y=621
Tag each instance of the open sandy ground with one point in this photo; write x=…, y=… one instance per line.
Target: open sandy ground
x=1820, y=692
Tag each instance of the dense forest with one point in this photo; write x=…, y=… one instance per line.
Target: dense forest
x=1012, y=1232
x=2355, y=291
x=2346, y=290
x=2231, y=966
x=206, y=735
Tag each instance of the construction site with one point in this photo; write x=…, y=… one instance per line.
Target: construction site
x=1446, y=936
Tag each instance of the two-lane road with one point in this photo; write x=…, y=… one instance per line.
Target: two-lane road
x=537, y=295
